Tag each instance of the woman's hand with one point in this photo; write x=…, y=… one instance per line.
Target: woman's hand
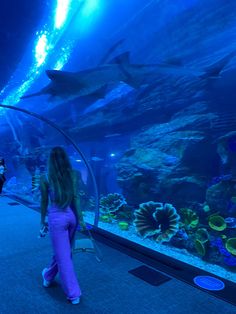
x=43, y=229
x=43, y=224
x=81, y=226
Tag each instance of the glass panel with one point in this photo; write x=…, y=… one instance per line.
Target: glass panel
x=147, y=91
x=26, y=148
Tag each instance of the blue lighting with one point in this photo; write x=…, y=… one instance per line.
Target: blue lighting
x=65, y=29
x=209, y=283
x=89, y=7
x=62, y=10
x=41, y=49
x=87, y=16
x=112, y=155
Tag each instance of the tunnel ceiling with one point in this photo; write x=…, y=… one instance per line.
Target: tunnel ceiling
x=18, y=21
x=185, y=34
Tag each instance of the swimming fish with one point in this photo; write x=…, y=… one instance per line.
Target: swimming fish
x=95, y=81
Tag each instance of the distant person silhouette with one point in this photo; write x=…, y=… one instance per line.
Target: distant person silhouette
x=3, y=169
x=59, y=187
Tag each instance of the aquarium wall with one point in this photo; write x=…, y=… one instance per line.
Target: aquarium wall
x=146, y=89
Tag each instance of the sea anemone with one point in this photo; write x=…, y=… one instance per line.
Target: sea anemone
x=156, y=220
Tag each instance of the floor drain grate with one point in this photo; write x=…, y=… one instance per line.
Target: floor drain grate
x=149, y=275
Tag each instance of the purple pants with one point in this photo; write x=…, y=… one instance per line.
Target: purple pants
x=62, y=227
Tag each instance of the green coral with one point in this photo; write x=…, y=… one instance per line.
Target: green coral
x=200, y=247
x=105, y=218
x=189, y=218
x=217, y=223
x=202, y=235
x=123, y=225
x=231, y=245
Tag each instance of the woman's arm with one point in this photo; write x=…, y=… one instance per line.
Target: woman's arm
x=44, y=198
x=76, y=201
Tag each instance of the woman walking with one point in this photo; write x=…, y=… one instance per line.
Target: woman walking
x=59, y=189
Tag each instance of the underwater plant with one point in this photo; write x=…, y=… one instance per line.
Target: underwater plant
x=201, y=238
x=111, y=203
x=217, y=223
x=200, y=247
x=225, y=251
x=189, y=218
x=202, y=235
x=156, y=220
x=231, y=245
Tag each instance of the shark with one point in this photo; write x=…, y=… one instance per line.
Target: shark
x=96, y=81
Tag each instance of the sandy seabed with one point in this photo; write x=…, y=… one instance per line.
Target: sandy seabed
x=180, y=254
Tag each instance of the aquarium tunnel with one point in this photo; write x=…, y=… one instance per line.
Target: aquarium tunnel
x=141, y=96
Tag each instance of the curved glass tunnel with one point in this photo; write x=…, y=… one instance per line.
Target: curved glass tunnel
x=33, y=137
x=149, y=97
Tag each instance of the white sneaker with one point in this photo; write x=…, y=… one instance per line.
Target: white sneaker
x=76, y=301
x=46, y=283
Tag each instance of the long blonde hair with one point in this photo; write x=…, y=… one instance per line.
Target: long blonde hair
x=60, y=177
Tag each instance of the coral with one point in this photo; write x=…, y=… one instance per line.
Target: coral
x=231, y=222
x=123, y=225
x=219, y=195
x=206, y=208
x=189, y=218
x=105, y=218
x=157, y=220
x=144, y=221
x=182, y=234
x=229, y=259
x=223, y=236
x=201, y=238
x=231, y=245
x=218, y=242
x=202, y=235
x=112, y=203
x=217, y=223
x=200, y=247
x=125, y=214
